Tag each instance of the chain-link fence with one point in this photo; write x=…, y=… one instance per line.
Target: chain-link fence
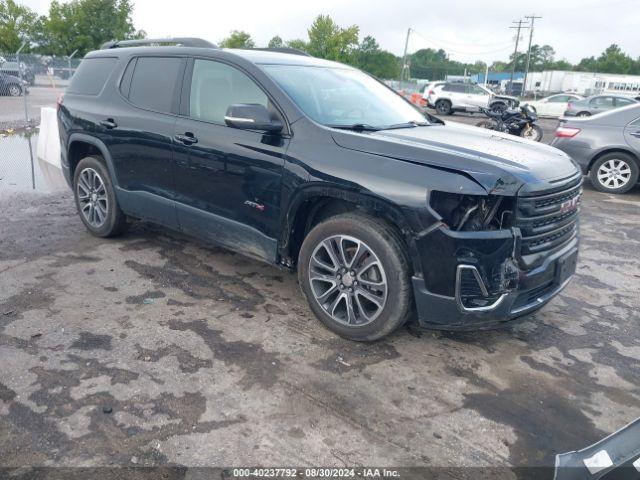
x=28, y=82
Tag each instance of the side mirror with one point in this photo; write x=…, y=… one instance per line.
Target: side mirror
x=251, y=116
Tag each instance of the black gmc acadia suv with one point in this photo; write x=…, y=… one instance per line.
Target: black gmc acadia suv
x=316, y=166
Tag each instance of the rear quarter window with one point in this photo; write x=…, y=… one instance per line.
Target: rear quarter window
x=91, y=75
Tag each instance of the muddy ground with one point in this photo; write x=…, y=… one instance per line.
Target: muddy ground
x=154, y=349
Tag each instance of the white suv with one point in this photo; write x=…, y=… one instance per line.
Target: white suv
x=449, y=97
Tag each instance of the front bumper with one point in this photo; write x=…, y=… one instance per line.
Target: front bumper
x=513, y=290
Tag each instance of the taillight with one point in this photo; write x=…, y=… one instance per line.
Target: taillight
x=569, y=104
x=431, y=92
x=567, y=132
x=59, y=101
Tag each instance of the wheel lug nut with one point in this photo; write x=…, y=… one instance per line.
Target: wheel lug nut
x=352, y=273
x=350, y=290
x=341, y=286
x=338, y=276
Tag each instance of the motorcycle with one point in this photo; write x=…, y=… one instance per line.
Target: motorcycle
x=518, y=121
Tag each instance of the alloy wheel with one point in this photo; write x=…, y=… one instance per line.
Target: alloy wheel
x=614, y=173
x=14, y=90
x=348, y=280
x=92, y=197
x=531, y=133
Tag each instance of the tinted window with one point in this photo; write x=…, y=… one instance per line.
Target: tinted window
x=454, y=87
x=604, y=102
x=476, y=90
x=154, y=82
x=623, y=101
x=560, y=99
x=91, y=75
x=215, y=86
x=125, y=83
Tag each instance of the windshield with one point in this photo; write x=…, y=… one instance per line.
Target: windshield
x=343, y=97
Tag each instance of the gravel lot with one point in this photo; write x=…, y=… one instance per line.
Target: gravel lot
x=154, y=349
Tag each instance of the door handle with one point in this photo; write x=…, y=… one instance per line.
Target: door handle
x=635, y=134
x=187, y=138
x=108, y=123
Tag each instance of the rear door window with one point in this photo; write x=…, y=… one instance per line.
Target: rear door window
x=603, y=102
x=154, y=82
x=455, y=87
x=91, y=75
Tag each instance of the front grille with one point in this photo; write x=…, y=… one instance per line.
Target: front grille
x=550, y=219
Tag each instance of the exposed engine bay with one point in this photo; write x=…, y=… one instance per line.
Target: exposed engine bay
x=473, y=212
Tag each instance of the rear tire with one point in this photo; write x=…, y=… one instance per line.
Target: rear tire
x=583, y=114
x=614, y=172
x=96, y=199
x=376, y=285
x=14, y=90
x=443, y=107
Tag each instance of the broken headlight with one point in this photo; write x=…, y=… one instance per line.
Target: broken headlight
x=473, y=212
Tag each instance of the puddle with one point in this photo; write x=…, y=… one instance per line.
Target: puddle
x=18, y=173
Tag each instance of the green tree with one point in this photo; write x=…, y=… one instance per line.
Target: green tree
x=238, y=39
x=370, y=58
x=85, y=25
x=298, y=44
x=560, y=65
x=275, y=42
x=17, y=24
x=328, y=40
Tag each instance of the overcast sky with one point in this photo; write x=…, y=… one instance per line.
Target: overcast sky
x=468, y=30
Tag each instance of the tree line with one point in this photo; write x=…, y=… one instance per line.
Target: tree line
x=86, y=24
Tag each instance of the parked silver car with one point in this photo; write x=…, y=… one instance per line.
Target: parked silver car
x=606, y=146
x=596, y=104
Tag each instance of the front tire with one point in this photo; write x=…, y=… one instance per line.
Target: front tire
x=96, y=199
x=354, y=272
x=583, y=114
x=499, y=108
x=614, y=173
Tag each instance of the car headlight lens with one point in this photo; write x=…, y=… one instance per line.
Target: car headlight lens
x=473, y=212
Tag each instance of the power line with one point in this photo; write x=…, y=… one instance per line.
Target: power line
x=460, y=52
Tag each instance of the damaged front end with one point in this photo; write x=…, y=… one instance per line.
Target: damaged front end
x=478, y=261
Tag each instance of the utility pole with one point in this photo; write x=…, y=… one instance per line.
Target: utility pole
x=404, y=57
x=531, y=17
x=515, y=52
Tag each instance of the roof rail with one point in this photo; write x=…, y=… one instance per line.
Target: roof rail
x=292, y=51
x=156, y=42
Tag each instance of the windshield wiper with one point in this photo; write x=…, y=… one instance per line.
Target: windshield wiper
x=358, y=127
x=411, y=124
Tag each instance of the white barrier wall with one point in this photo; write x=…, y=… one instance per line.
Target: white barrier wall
x=48, y=139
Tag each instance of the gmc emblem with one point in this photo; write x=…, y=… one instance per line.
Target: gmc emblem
x=570, y=204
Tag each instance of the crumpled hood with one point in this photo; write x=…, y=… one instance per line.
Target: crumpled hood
x=495, y=160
